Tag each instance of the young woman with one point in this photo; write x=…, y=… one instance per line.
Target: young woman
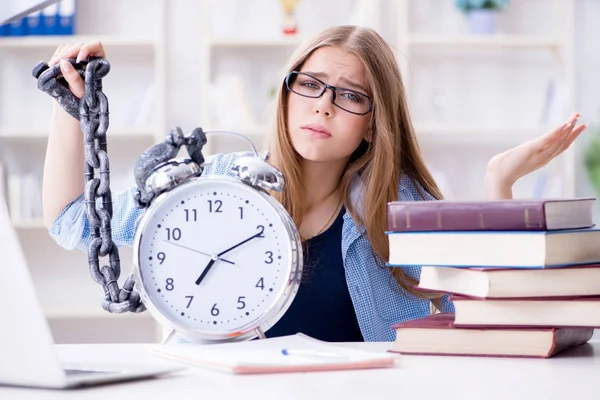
x=345, y=143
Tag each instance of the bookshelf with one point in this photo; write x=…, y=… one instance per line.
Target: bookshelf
x=276, y=43
x=49, y=43
x=117, y=133
x=135, y=87
x=498, y=40
x=474, y=95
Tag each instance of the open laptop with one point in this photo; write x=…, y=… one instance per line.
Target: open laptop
x=27, y=347
x=13, y=10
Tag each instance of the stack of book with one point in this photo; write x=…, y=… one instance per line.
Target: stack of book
x=524, y=275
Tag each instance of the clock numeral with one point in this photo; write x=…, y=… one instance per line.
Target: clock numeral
x=214, y=311
x=269, y=259
x=241, y=303
x=215, y=206
x=169, y=284
x=161, y=257
x=174, y=234
x=189, y=302
x=191, y=214
x=261, y=228
x=241, y=212
x=260, y=284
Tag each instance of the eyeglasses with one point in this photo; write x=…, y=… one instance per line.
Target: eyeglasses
x=347, y=99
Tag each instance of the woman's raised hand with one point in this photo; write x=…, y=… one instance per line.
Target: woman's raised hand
x=63, y=166
x=506, y=168
x=78, y=51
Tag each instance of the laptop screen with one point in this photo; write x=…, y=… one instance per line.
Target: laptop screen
x=12, y=10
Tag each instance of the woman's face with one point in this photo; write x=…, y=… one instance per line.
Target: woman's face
x=319, y=130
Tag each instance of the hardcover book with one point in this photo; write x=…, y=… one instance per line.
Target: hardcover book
x=511, y=282
x=437, y=335
x=497, y=249
x=514, y=214
x=580, y=312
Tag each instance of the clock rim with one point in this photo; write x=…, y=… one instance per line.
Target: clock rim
x=273, y=314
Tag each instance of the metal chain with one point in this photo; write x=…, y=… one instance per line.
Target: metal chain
x=92, y=112
x=162, y=152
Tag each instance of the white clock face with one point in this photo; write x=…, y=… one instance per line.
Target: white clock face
x=214, y=257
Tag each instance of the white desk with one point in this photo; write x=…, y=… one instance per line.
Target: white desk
x=571, y=375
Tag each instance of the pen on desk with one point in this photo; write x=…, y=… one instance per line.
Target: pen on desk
x=311, y=353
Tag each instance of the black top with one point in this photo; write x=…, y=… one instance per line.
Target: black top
x=322, y=307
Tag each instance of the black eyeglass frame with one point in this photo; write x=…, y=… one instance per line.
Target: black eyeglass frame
x=325, y=87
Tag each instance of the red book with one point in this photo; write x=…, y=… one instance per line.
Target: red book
x=508, y=215
x=437, y=335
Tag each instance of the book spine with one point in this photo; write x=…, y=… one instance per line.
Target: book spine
x=566, y=338
x=405, y=217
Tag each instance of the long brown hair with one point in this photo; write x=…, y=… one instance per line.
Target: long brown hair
x=379, y=164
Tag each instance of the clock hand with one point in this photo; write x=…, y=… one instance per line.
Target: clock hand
x=240, y=243
x=203, y=274
x=212, y=261
x=198, y=251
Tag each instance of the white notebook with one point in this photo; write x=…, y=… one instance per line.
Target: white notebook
x=294, y=353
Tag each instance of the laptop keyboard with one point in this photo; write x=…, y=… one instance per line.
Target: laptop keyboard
x=75, y=372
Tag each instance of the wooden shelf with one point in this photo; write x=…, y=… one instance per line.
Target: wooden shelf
x=252, y=131
x=95, y=313
x=519, y=41
x=267, y=42
x=109, y=41
x=29, y=224
x=256, y=135
x=118, y=132
x=462, y=134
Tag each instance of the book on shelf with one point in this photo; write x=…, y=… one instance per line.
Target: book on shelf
x=499, y=249
x=302, y=354
x=24, y=197
x=546, y=312
x=513, y=283
x=2, y=181
x=437, y=335
x=56, y=18
x=506, y=215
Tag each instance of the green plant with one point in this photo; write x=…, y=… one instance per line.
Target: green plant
x=591, y=160
x=469, y=5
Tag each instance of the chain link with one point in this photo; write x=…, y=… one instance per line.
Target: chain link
x=163, y=152
x=92, y=112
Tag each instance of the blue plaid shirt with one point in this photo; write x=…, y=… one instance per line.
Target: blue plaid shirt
x=377, y=300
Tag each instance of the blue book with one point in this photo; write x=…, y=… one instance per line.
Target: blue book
x=495, y=249
x=66, y=17
x=18, y=27
x=49, y=19
x=4, y=30
x=34, y=24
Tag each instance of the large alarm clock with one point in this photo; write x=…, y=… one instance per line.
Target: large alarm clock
x=216, y=258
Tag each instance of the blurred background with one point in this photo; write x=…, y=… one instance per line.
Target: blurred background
x=482, y=76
